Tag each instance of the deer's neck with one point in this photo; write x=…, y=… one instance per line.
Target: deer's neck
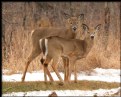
x=71, y=34
x=88, y=45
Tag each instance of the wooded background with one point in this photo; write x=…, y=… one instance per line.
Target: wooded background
x=20, y=18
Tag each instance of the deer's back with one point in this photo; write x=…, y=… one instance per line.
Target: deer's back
x=67, y=47
x=44, y=32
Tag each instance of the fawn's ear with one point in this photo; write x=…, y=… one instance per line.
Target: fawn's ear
x=97, y=28
x=81, y=16
x=85, y=27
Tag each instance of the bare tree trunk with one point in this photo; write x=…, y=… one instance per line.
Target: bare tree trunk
x=106, y=26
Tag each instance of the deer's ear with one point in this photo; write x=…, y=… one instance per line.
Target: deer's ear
x=81, y=16
x=66, y=15
x=85, y=27
x=97, y=28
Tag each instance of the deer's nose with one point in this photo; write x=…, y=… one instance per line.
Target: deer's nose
x=74, y=28
x=92, y=36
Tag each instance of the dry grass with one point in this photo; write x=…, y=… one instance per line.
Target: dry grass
x=98, y=57
x=39, y=85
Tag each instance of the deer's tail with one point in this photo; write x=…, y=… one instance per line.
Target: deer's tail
x=44, y=47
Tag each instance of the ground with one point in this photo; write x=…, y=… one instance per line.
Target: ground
x=100, y=82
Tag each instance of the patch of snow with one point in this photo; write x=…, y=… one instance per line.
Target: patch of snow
x=98, y=74
x=34, y=76
x=99, y=92
x=107, y=72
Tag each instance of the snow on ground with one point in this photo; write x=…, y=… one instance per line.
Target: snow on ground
x=98, y=74
x=99, y=92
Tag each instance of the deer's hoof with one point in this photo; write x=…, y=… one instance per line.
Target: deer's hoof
x=22, y=79
x=51, y=83
x=75, y=81
x=45, y=82
x=61, y=83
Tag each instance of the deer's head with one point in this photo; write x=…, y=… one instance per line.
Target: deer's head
x=90, y=32
x=74, y=22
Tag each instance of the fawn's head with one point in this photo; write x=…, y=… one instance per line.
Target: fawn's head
x=90, y=32
x=74, y=22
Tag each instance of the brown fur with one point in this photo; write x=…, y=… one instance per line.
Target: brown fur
x=44, y=32
x=73, y=49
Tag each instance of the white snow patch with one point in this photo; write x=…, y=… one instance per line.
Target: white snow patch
x=98, y=74
x=99, y=92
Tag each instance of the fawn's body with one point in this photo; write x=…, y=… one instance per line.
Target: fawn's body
x=54, y=47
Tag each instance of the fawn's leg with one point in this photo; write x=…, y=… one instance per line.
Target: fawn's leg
x=46, y=71
x=54, y=66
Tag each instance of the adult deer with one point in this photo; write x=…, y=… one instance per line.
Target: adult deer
x=73, y=49
x=43, y=32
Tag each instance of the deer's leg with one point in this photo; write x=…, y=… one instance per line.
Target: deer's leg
x=49, y=75
x=65, y=68
x=54, y=66
x=32, y=56
x=69, y=73
x=68, y=70
x=45, y=76
x=46, y=71
x=71, y=64
x=42, y=61
x=75, y=73
x=65, y=62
